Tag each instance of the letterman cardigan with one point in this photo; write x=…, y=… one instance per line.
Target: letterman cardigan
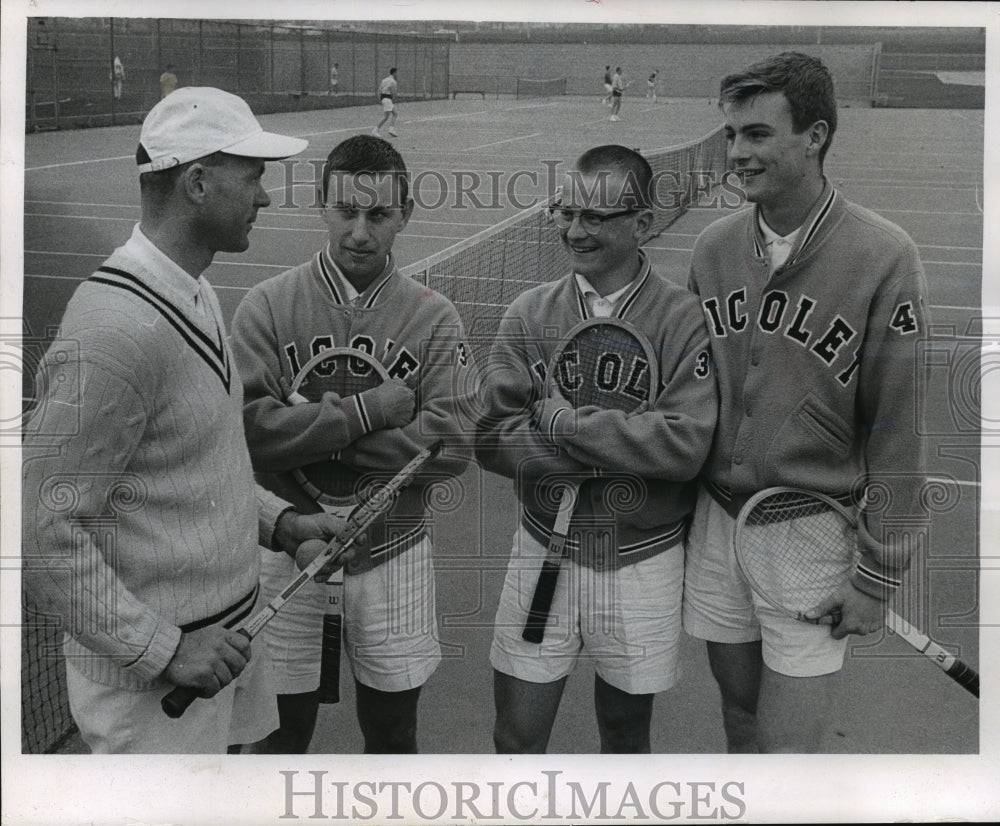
x=638, y=469
x=138, y=502
x=413, y=330
x=816, y=364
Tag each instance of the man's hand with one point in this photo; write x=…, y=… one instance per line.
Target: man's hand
x=397, y=402
x=310, y=549
x=305, y=536
x=208, y=659
x=858, y=613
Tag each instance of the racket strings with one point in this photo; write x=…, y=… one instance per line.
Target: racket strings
x=795, y=553
x=605, y=366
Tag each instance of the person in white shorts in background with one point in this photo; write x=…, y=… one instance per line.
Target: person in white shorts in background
x=387, y=98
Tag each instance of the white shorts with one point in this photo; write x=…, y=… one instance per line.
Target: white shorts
x=390, y=624
x=388, y=105
x=719, y=605
x=626, y=621
x=118, y=721
x=607, y=88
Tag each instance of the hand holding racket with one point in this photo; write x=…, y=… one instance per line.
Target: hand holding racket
x=796, y=548
x=601, y=362
x=177, y=701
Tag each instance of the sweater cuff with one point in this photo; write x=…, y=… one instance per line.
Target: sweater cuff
x=870, y=574
x=269, y=511
x=555, y=420
x=364, y=413
x=157, y=655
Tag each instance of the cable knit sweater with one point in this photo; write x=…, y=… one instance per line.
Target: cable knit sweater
x=139, y=511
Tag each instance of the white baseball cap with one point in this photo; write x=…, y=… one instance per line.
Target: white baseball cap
x=195, y=121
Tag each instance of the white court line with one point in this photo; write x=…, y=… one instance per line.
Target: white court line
x=920, y=211
x=497, y=143
x=946, y=247
x=77, y=163
x=891, y=184
x=955, y=263
x=81, y=203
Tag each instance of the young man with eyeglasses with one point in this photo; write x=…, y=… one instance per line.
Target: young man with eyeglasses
x=620, y=606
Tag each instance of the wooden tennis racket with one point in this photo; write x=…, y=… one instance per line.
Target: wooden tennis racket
x=177, y=701
x=797, y=547
x=607, y=363
x=331, y=484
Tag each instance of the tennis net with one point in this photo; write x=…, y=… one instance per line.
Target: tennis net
x=535, y=88
x=483, y=274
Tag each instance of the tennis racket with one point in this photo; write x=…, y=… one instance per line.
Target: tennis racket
x=331, y=484
x=796, y=547
x=177, y=701
x=603, y=362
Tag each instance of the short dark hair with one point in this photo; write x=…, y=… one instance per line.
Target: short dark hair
x=805, y=82
x=162, y=182
x=366, y=154
x=633, y=167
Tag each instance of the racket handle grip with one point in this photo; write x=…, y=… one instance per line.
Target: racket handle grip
x=329, y=672
x=965, y=677
x=178, y=700
x=541, y=603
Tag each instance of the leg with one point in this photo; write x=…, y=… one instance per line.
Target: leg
x=622, y=719
x=388, y=719
x=525, y=713
x=793, y=711
x=737, y=670
x=298, y=720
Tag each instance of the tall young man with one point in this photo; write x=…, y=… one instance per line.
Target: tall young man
x=350, y=294
x=815, y=307
x=140, y=525
x=618, y=596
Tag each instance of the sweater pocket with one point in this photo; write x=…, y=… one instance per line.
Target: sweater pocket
x=812, y=437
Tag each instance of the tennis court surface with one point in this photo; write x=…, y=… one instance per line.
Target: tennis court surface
x=477, y=163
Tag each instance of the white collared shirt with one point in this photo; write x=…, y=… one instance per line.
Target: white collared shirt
x=600, y=306
x=779, y=247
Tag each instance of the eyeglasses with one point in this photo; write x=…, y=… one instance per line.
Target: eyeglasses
x=590, y=221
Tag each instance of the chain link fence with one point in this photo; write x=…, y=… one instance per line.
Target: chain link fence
x=105, y=71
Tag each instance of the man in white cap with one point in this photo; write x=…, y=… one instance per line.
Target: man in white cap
x=141, y=520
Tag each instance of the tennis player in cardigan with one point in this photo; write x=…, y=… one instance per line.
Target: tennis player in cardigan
x=350, y=294
x=815, y=307
x=140, y=521
x=618, y=597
